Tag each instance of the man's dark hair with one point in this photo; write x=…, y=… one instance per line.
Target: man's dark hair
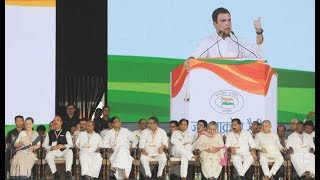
x=106, y=106
x=255, y=122
x=98, y=111
x=155, y=119
x=72, y=105
x=41, y=128
x=308, y=123
x=113, y=118
x=181, y=120
x=204, y=122
x=300, y=122
x=141, y=120
x=19, y=116
x=176, y=123
x=236, y=120
x=280, y=125
x=218, y=11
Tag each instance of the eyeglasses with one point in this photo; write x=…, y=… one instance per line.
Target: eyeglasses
x=172, y=127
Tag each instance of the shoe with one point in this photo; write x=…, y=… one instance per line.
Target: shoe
x=86, y=177
x=56, y=175
x=265, y=177
x=68, y=174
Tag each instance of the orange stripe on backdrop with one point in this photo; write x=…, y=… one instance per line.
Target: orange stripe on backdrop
x=254, y=77
x=45, y=3
x=178, y=77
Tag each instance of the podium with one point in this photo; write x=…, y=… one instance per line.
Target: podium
x=220, y=89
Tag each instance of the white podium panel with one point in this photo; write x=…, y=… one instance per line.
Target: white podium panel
x=222, y=89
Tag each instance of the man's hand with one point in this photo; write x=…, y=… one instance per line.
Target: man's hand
x=233, y=150
x=257, y=24
x=144, y=152
x=290, y=151
x=55, y=147
x=160, y=150
x=187, y=63
x=263, y=150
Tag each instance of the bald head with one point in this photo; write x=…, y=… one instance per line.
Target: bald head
x=293, y=124
x=266, y=126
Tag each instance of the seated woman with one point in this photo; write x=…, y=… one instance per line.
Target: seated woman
x=210, y=144
x=26, y=144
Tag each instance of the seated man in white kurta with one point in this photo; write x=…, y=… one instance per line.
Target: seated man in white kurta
x=270, y=147
x=120, y=140
x=240, y=143
x=301, y=149
x=137, y=133
x=152, y=142
x=182, y=147
x=89, y=143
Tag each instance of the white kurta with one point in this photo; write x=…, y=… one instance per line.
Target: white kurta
x=269, y=141
x=151, y=142
x=301, y=158
x=215, y=46
x=182, y=148
x=103, y=133
x=120, y=141
x=90, y=160
x=137, y=134
x=243, y=143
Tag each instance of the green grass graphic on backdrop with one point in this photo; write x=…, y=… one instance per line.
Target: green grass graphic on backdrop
x=140, y=87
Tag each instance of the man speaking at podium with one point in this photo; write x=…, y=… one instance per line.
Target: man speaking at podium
x=225, y=43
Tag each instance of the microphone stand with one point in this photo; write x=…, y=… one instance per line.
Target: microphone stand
x=212, y=44
x=241, y=45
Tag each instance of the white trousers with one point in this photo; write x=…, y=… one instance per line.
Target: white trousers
x=185, y=155
x=67, y=154
x=122, y=161
x=162, y=160
x=242, y=167
x=303, y=162
x=90, y=163
x=278, y=158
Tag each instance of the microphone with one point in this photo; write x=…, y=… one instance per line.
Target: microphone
x=241, y=45
x=220, y=31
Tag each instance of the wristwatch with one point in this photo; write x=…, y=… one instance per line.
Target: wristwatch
x=260, y=32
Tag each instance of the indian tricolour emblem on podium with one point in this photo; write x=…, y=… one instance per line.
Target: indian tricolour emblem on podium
x=226, y=101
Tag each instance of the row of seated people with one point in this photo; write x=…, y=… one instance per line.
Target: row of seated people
x=153, y=143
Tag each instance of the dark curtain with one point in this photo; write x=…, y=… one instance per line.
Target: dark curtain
x=80, y=54
x=84, y=91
